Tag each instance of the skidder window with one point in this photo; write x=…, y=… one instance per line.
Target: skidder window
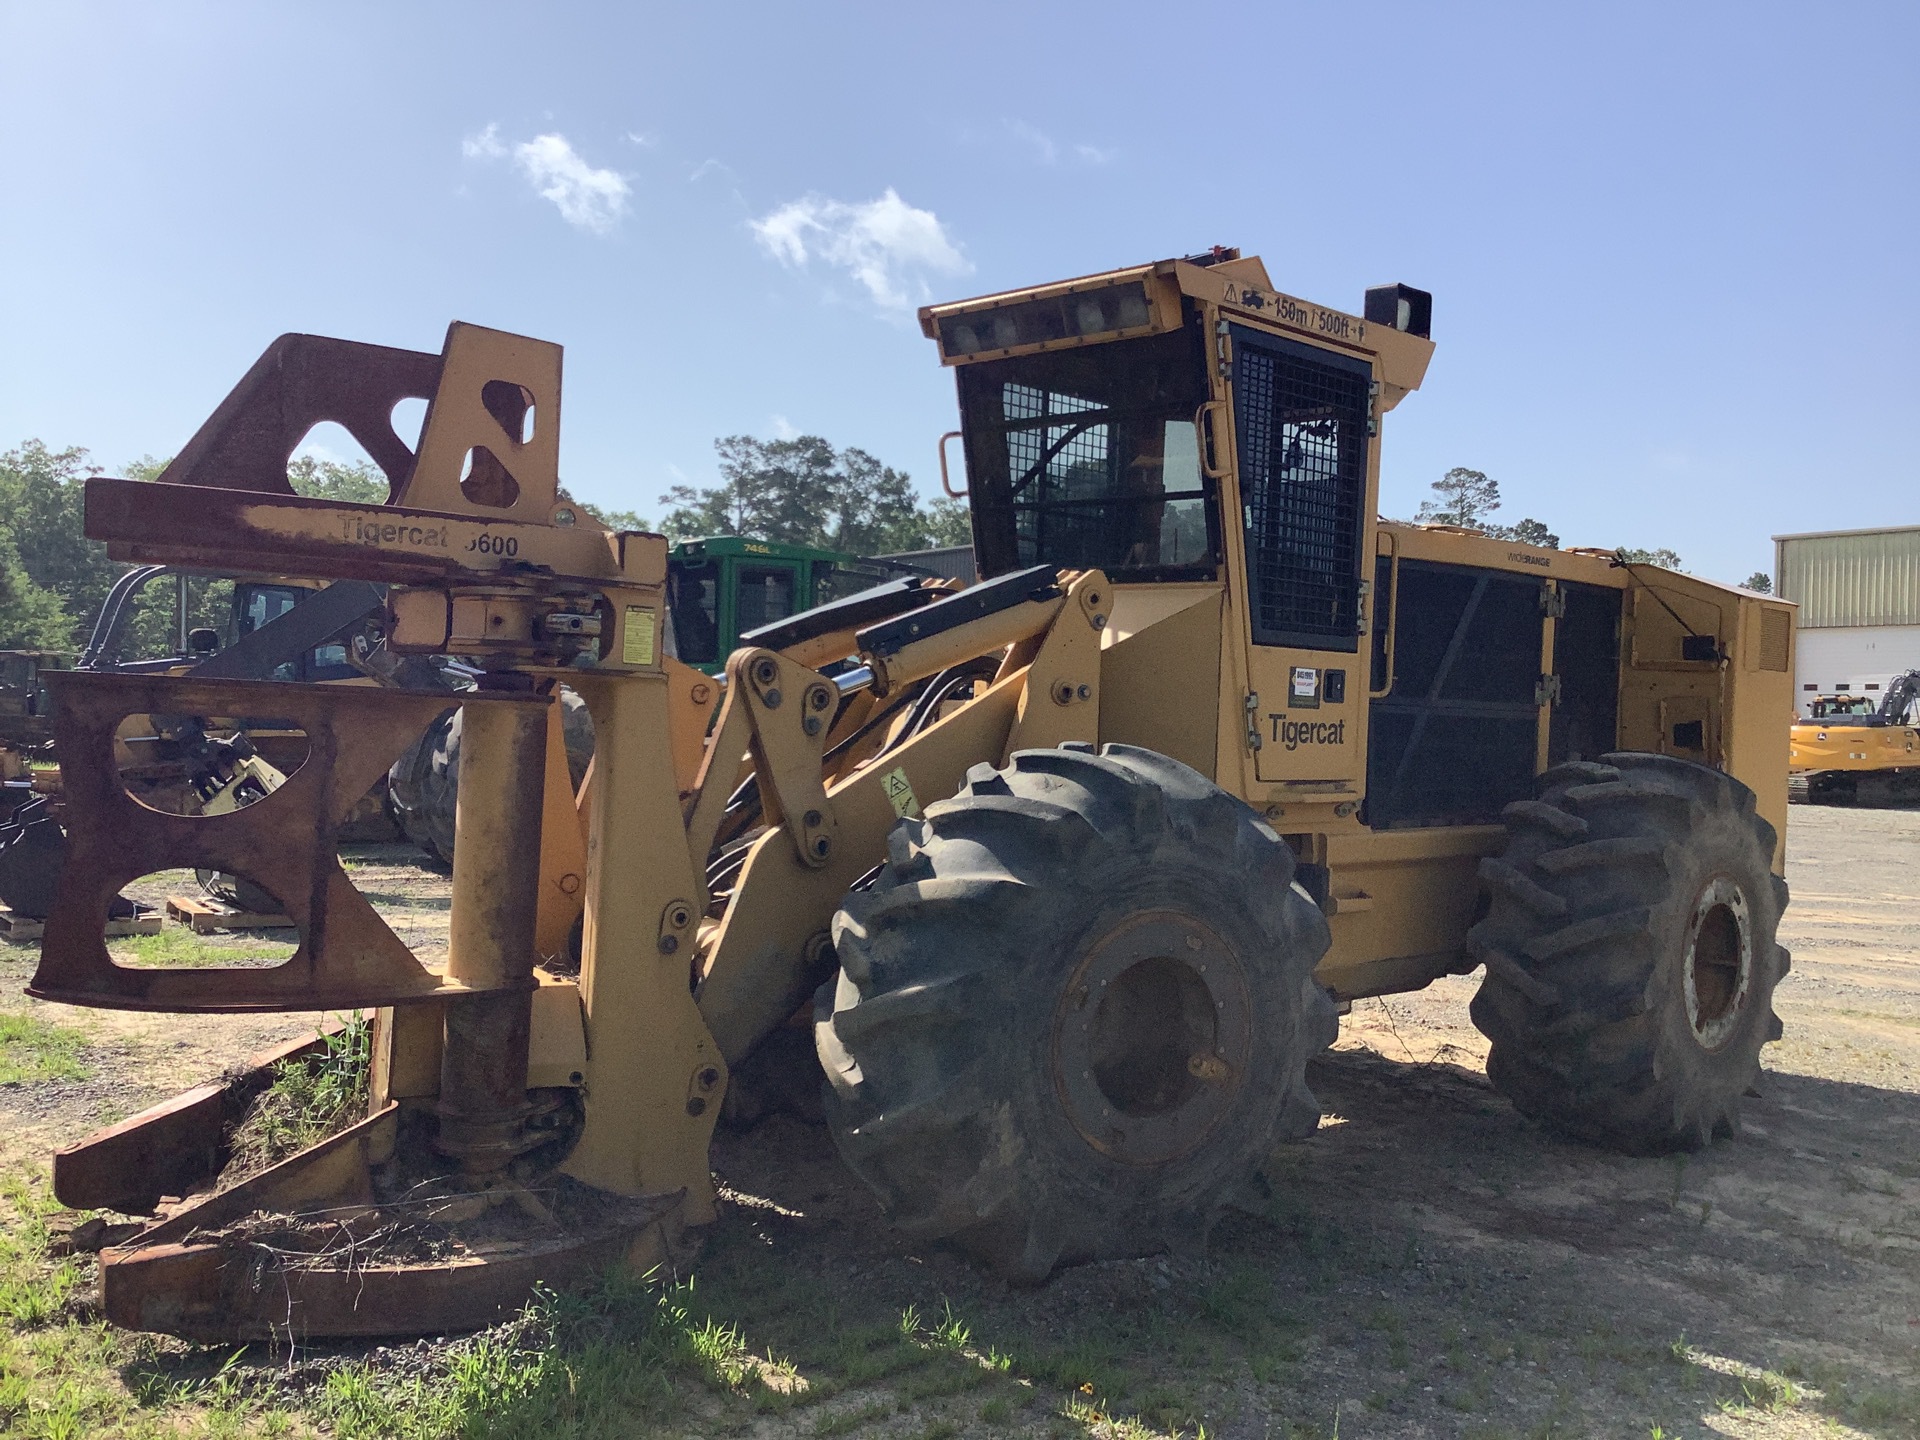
x=1089, y=457
x=1302, y=418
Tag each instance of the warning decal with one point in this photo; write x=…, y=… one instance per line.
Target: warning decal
x=900, y=793
x=636, y=647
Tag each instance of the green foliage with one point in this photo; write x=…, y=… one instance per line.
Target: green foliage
x=1663, y=557
x=1468, y=498
x=32, y=1049
x=308, y=1099
x=615, y=519
x=31, y=618
x=948, y=523
x=805, y=492
x=1529, y=532
x=1759, y=580
x=359, y=483
x=42, y=501
x=53, y=579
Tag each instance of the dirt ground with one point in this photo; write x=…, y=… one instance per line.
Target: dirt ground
x=1431, y=1265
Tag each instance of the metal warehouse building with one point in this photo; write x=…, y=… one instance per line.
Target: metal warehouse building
x=1859, y=598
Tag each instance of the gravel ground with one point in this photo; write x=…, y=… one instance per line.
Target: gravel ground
x=1432, y=1265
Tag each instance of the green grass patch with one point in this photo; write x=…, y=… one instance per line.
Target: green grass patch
x=308, y=1099
x=177, y=947
x=32, y=1049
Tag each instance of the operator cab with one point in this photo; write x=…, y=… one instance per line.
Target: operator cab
x=1829, y=707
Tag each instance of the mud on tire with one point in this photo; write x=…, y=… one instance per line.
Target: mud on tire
x=1630, y=952
x=1074, y=1011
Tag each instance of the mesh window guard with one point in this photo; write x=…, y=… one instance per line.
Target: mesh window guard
x=1090, y=457
x=1302, y=417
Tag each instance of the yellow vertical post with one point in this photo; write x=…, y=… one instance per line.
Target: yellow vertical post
x=496, y=849
x=654, y=1076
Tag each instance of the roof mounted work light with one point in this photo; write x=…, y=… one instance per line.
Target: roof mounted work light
x=1402, y=307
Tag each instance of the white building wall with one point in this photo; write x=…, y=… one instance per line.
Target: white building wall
x=1859, y=659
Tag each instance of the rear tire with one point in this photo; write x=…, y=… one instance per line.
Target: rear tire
x=1630, y=952
x=1074, y=1011
x=423, y=787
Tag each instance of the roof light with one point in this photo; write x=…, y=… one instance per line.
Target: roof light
x=1109, y=310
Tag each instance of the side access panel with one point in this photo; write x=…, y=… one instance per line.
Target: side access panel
x=1160, y=684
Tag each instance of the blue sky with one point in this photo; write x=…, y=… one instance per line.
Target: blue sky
x=1672, y=246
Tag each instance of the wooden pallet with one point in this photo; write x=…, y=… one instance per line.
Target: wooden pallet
x=204, y=915
x=21, y=931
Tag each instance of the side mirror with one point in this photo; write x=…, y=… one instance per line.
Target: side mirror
x=202, y=641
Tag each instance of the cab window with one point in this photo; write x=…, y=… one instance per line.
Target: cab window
x=693, y=596
x=1090, y=458
x=765, y=595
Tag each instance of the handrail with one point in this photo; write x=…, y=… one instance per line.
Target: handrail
x=1204, y=438
x=945, y=483
x=1392, y=608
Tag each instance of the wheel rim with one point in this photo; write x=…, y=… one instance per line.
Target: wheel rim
x=1719, y=962
x=1151, y=1038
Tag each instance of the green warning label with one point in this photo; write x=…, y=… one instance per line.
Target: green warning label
x=900, y=793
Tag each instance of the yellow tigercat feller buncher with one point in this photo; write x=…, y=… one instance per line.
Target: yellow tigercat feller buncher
x=1071, y=869
x=1852, y=751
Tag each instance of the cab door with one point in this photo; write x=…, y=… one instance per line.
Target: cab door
x=1301, y=421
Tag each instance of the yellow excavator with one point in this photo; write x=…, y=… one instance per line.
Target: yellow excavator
x=1851, y=750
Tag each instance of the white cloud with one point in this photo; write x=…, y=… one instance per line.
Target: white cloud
x=1048, y=151
x=484, y=146
x=885, y=244
x=587, y=197
x=782, y=427
x=1043, y=146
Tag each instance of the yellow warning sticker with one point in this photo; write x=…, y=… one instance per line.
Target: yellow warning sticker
x=900, y=793
x=636, y=645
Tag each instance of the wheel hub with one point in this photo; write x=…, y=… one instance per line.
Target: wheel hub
x=1719, y=962
x=1152, y=1037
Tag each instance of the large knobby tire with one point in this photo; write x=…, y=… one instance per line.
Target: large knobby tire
x=1630, y=952
x=1074, y=1011
x=423, y=787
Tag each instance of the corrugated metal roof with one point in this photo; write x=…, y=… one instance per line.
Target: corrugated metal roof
x=1851, y=577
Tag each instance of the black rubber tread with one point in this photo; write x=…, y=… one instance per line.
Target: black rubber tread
x=937, y=1033
x=1584, y=943
x=424, y=783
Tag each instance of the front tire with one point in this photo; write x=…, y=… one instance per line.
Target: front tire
x=1074, y=1011
x=1630, y=952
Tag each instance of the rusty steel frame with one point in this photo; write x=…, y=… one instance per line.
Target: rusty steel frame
x=347, y=957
